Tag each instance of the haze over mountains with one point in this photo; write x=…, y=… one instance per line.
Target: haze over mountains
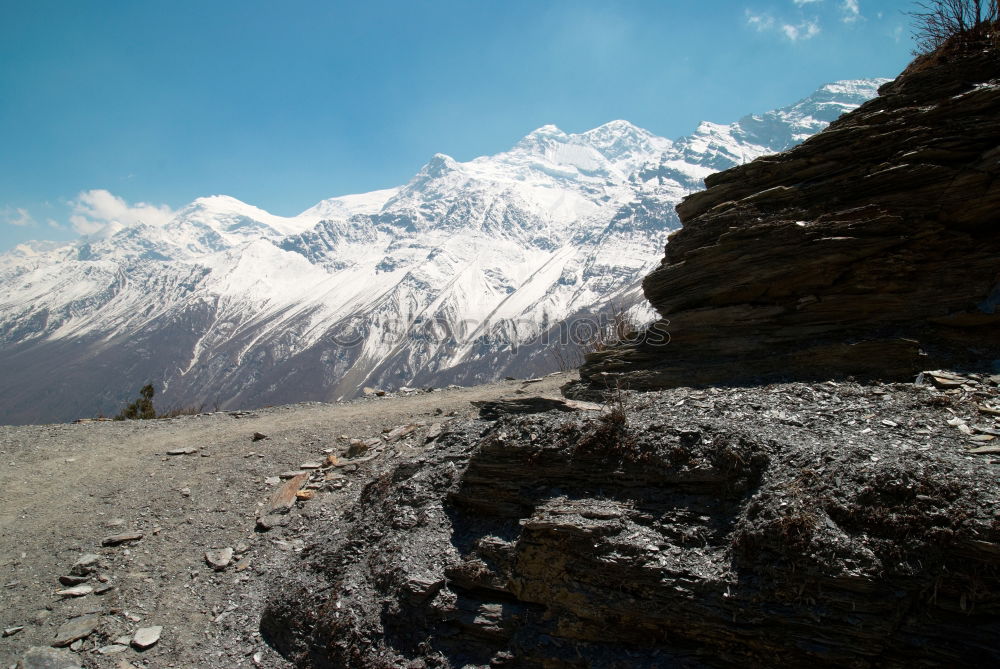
x=451, y=278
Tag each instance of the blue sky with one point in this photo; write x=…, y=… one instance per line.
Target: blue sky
x=131, y=109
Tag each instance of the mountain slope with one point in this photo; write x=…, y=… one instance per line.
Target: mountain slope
x=468, y=272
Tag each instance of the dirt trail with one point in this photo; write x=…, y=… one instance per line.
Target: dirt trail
x=65, y=487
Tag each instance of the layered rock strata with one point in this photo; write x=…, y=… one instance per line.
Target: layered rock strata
x=791, y=525
x=872, y=249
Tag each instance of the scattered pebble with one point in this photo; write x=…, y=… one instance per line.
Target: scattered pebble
x=112, y=649
x=46, y=658
x=76, y=628
x=146, y=637
x=219, y=559
x=118, y=539
x=76, y=591
x=85, y=565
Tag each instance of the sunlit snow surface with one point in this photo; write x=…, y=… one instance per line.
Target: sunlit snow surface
x=456, y=270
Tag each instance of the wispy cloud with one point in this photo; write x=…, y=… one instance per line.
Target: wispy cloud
x=18, y=217
x=101, y=213
x=852, y=10
x=805, y=2
x=759, y=22
x=802, y=31
x=794, y=32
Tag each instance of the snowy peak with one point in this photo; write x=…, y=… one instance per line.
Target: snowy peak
x=617, y=147
x=715, y=146
x=626, y=145
x=450, y=278
x=345, y=206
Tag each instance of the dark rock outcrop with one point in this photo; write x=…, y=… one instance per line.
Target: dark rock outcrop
x=790, y=525
x=872, y=249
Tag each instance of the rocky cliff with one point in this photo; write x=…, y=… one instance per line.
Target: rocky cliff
x=869, y=250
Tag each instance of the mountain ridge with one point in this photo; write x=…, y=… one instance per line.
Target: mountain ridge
x=451, y=277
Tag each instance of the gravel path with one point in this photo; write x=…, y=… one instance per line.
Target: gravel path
x=64, y=488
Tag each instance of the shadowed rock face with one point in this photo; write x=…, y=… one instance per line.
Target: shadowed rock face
x=737, y=527
x=873, y=249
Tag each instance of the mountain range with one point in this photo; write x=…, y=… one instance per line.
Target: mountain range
x=469, y=272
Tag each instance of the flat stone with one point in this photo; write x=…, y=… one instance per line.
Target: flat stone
x=117, y=539
x=357, y=448
x=76, y=591
x=258, y=436
x=146, y=637
x=103, y=589
x=190, y=450
x=112, y=649
x=399, y=432
x=37, y=657
x=219, y=559
x=76, y=628
x=291, y=474
x=284, y=497
x=11, y=631
x=86, y=564
x=73, y=580
x=310, y=465
x=434, y=432
x=272, y=520
x=946, y=380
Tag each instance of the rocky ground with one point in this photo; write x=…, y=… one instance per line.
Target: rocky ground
x=158, y=502
x=804, y=524
x=688, y=527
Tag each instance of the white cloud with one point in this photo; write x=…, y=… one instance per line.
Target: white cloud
x=795, y=32
x=805, y=2
x=802, y=31
x=19, y=217
x=100, y=213
x=759, y=22
x=852, y=10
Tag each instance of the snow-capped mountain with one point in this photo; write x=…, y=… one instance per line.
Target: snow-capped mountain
x=468, y=272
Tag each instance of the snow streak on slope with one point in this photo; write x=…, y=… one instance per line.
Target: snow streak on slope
x=452, y=277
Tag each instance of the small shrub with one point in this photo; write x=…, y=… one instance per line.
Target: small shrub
x=192, y=410
x=610, y=436
x=621, y=328
x=966, y=21
x=142, y=408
